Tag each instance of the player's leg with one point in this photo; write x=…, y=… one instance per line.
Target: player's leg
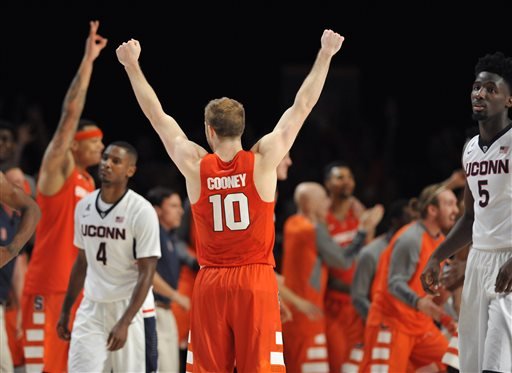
x=211, y=345
x=386, y=349
x=168, y=349
x=6, y=364
x=255, y=319
x=132, y=357
x=87, y=350
x=498, y=341
x=473, y=317
x=428, y=350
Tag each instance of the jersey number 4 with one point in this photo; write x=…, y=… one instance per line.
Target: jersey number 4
x=101, y=255
x=232, y=212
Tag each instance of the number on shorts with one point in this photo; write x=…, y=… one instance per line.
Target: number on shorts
x=226, y=216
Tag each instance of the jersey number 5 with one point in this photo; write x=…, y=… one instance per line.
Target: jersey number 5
x=484, y=193
x=232, y=212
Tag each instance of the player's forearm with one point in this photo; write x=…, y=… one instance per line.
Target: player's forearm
x=458, y=238
x=330, y=251
x=311, y=88
x=161, y=287
x=288, y=295
x=401, y=290
x=31, y=214
x=140, y=292
x=76, y=282
x=73, y=104
x=144, y=93
x=362, y=305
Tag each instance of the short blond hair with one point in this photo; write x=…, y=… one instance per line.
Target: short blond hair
x=226, y=116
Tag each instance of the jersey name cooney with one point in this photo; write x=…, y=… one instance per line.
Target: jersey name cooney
x=103, y=232
x=226, y=182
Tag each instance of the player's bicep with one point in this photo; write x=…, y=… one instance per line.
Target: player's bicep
x=11, y=194
x=469, y=201
x=77, y=238
x=277, y=143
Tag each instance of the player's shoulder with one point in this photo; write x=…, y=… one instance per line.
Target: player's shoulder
x=138, y=204
x=375, y=244
x=135, y=198
x=88, y=198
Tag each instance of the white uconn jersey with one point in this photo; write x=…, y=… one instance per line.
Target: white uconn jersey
x=113, y=240
x=489, y=176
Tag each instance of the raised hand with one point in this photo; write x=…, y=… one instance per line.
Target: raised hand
x=331, y=41
x=128, y=53
x=371, y=217
x=95, y=42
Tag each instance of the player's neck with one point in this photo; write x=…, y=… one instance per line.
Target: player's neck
x=489, y=129
x=340, y=207
x=432, y=227
x=228, y=148
x=112, y=193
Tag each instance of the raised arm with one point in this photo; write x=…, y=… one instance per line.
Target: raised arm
x=274, y=146
x=17, y=199
x=58, y=163
x=183, y=152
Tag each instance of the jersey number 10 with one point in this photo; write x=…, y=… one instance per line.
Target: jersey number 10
x=232, y=212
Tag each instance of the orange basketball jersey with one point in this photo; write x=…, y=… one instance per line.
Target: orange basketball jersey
x=234, y=226
x=342, y=232
x=54, y=254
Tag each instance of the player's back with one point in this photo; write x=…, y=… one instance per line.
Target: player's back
x=234, y=226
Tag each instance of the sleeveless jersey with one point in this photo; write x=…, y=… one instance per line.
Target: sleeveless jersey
x=54, y=254
x=234, y=226
x=342, y=232
x=489, y=176
x=113, y=240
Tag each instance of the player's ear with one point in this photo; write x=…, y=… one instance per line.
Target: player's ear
x=74, y=145
x=131, y=170
x=509, y=102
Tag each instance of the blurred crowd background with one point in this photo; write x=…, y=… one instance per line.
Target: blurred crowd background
x=396, y=106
